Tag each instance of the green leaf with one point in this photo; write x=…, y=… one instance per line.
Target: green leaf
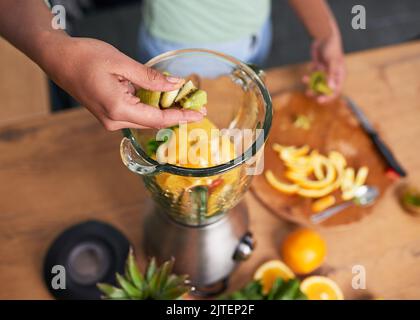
x=238, y=295
x=153, y=284
x=165, y=270
x=135, y=275
x=251, y=291
x=131, y=291
x=288, y=290
x=277, y=287
x=111, y=292
x=151, y=269
x=152, y=145
x=157, y=283
x=412, y=199
x=173, y=281
x=173, y=293
x=300, y=295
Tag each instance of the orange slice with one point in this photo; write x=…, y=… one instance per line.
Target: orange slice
x=323, y=203
x=269, y=271
x=291, y=152
x=361, y=176
x=316, y=193
x=348, y=179
x=307, y=183
x=318, y=167
x=321, y=288
x=281, y=186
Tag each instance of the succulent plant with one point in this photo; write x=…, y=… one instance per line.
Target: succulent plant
x=157, y=283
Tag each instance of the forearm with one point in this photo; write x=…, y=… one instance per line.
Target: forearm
x=316, y=16
x=27, y=25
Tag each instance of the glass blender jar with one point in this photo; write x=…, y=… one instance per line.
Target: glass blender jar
x=199, y=219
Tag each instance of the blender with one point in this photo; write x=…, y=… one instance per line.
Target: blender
x=200, y=219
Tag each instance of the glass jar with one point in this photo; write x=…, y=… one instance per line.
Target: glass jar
x=239, y=108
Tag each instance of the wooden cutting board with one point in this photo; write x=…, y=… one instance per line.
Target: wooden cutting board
x=333, y=127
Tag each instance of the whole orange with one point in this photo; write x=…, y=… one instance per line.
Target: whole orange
x=303, y=250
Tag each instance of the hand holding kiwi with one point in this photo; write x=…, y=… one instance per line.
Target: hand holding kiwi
x=187, y=97
x=318, y=83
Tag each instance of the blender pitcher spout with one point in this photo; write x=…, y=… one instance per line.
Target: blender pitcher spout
x=133, y=160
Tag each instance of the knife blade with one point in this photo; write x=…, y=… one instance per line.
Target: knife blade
x=377, y=141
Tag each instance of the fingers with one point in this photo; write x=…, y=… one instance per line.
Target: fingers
x=118, y=108
x=128, y=114
x=149, y=117
x=315, y=54
x=129, y=88
x=146, y=77
x=337, y=74
x=112, y=125
x=155, y=118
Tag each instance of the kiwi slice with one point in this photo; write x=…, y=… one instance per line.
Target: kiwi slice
x=168, y=98
x=186, y=89
x=318, y=83
x=188, y=97
x=151, y=98
x=195, y=100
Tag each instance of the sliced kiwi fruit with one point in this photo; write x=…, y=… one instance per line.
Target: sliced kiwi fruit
x=151, y=98
x=187, y=88
x=187, y=97
x=195, y=100
x=168, y=98
x=318, y=83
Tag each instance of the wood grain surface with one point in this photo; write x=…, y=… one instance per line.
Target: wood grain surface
x=62, y=169
x=23, y=86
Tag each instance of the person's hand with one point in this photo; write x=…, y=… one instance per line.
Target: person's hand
x=104, y=80
x=327, y=55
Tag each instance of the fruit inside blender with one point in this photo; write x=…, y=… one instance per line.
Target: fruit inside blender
x=202, y=148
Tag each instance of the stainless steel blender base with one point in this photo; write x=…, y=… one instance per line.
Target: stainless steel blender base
x=208, y=254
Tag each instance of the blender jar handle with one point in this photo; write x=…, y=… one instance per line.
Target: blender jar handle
x=260, y=72
x=133, y=160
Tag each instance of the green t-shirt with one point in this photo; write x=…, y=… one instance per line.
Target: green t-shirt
x=204, y=21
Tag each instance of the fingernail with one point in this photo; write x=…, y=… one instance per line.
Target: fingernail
x=172, y=79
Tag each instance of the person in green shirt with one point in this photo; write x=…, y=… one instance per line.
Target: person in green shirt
x=103, y=79
x=240, y=28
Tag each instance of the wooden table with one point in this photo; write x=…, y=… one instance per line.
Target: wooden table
x=61, y=169
x=23, y=86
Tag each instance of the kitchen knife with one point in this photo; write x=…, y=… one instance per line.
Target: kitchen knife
x=380, y=145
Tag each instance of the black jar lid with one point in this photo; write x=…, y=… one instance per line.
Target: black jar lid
x=82, y=256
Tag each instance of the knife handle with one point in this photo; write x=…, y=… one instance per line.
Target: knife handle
x=387, y=154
